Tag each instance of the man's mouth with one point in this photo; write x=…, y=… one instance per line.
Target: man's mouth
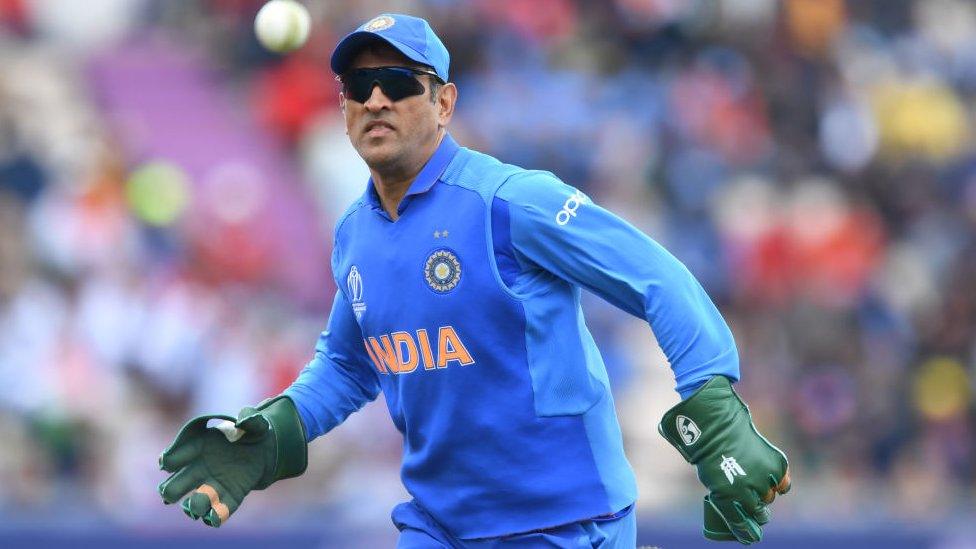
x=377, y=128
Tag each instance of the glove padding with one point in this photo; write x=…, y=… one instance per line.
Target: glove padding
x=713, y=430
x=222, y=464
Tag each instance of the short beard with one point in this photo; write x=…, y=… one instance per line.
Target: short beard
x=386, y=164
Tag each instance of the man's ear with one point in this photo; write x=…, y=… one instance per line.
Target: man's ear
x=446, y=100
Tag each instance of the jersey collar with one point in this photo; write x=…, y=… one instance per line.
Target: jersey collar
x=435, y=166
x=429, y=175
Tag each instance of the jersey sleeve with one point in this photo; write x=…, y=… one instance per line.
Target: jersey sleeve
x=557, y=228
x=338, y=380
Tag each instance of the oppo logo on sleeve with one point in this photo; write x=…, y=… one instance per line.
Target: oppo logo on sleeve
x=570, y=207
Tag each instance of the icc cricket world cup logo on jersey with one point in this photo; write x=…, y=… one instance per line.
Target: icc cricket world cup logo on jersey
x=354, y=283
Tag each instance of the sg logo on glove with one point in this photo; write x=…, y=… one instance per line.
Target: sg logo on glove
x=690, y=433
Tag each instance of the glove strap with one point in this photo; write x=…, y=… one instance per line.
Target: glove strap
x=291, y=450
x=697, y=424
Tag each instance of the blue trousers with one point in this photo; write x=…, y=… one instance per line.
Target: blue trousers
x=418, y=530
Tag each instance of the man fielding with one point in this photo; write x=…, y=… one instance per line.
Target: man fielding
x=459, y=282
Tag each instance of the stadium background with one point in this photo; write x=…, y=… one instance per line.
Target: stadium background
x=167, y=192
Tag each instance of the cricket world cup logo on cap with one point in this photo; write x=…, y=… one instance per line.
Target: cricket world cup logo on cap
x=690, y=433
x=354, y=282
x=382, y=22
x=442, y=270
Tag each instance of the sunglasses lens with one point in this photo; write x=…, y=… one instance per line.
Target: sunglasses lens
x=357, y=87
x=396, y=83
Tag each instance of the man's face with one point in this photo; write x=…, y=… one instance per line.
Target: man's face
x=390, y=133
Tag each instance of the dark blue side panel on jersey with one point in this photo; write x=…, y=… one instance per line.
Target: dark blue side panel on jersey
x=501, y=234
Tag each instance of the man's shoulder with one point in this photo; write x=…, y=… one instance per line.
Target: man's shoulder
x=476, y=170
x=356, y=206
x=486, y=174
x=534, y=186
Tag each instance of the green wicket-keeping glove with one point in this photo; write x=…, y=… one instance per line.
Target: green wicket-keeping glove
x=222, y=464
x=743, y=472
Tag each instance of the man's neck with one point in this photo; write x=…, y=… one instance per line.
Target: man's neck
x=393, y=183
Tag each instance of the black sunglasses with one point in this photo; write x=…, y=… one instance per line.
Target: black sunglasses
x=396, y=82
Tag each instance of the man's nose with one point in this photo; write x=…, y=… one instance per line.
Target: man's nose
x=377, y=99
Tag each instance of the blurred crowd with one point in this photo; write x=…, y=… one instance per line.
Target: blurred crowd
x=811, y=161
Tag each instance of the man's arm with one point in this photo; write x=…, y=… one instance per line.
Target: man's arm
x=556, y=228
x=219, y=459
x=339, y=380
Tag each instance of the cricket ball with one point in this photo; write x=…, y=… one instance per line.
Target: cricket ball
x=282, y=25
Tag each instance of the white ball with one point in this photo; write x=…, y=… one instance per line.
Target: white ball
x=282, y=25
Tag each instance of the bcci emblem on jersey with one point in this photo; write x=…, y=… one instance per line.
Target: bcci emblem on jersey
x=354, y=283
x=442, y=271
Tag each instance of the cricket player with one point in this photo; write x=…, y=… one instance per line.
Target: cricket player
x=459, y=282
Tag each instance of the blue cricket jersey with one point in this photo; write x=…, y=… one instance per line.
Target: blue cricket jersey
x=465, y=312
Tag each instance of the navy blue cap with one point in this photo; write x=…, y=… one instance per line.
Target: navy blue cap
x=411, y=36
